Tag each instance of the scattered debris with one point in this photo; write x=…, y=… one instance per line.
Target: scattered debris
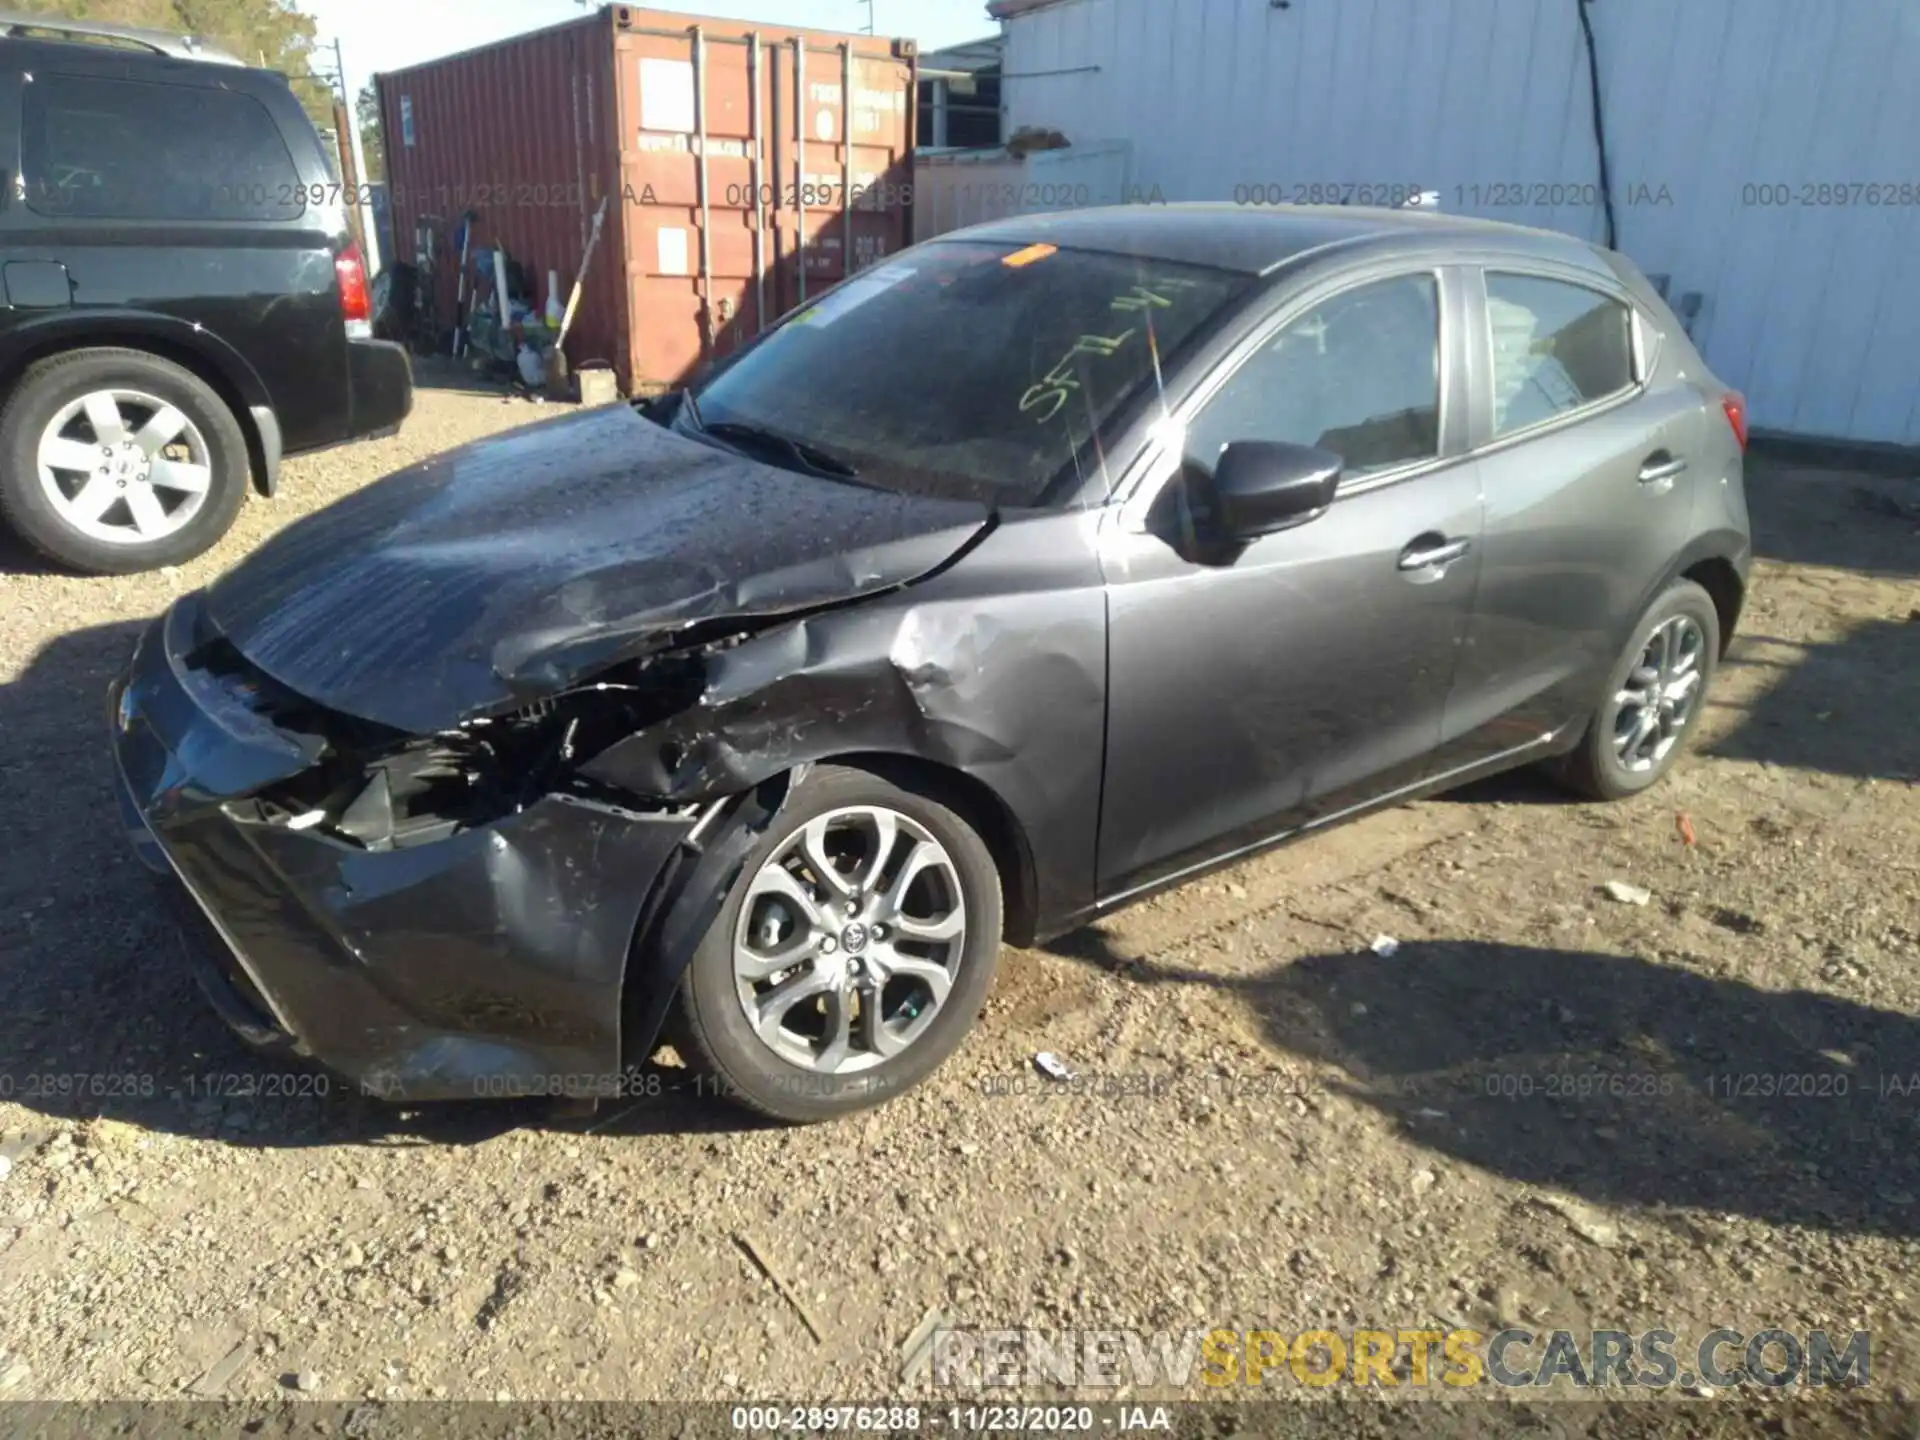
x=1627, y=894
x=224, y=1369
x=1029, y=138
x=14, y=1372
x=916, y=1351
x=1739, y=922
x=792, y=1297
x=6, y=1167
x=507, y=1283
x=1683, y=827
x=306, y=1381
x=1423, y=1181
x=1585, y=1221
x=1384, y=945
x=615, y=1118
x=24, y=1142
x=1052, y=1066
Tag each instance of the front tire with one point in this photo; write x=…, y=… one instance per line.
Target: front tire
x=114, y=461
x=852, y=955
x=1654, y=698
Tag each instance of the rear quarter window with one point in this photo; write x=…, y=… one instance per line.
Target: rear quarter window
x=1556, y=347
x=136, y=150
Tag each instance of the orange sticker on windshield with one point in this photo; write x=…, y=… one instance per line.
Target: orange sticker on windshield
x=1028, y=255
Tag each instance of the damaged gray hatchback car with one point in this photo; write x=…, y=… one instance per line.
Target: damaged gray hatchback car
x=1033, y=569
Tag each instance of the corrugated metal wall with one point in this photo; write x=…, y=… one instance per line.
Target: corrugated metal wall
x=1725, y=120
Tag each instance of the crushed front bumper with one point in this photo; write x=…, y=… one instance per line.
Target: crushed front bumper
x=489, y=963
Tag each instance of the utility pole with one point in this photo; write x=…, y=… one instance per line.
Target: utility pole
x=365, y=198
x=868, y=28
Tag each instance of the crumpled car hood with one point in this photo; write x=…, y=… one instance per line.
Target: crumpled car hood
x=514, y=567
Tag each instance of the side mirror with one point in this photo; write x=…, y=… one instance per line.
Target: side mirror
x=1261, y=486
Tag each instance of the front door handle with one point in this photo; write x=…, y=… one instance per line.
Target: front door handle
x=1661, y=466
x=1426, y=552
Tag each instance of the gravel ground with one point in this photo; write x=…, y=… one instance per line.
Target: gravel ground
x=1536, y=1110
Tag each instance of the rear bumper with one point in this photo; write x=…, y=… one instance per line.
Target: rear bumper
x=489, y=963
x=380, y=380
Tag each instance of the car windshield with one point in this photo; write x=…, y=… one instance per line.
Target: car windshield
x=962, y=369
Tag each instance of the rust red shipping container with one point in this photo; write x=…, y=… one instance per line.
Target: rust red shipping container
x=749, y=168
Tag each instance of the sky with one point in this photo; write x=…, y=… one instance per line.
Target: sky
x=391, y=34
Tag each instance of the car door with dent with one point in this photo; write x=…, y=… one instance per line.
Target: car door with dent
x=1260, y=687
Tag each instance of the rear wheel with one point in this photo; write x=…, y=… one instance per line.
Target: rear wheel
x=1654, y=698
x=113, y=461
x=853, y=954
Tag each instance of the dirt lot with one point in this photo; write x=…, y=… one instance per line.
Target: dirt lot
x=1328, y=1138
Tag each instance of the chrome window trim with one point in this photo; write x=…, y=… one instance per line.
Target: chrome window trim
x=1565, y=418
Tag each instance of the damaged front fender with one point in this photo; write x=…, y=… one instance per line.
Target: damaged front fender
x=1002, y=683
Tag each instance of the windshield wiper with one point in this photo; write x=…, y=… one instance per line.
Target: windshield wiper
x=809, y=457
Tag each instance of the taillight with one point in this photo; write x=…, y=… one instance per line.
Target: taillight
x=350, y=278
x=1735, y=404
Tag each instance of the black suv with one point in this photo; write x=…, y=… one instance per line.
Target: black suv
x=181, y=301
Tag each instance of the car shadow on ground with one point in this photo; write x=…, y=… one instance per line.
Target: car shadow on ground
x=100, y=1018
x=1834, y=518
x=1614, y=1079
x=1842, y=707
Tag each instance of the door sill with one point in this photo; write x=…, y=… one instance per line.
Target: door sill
x=1445, y=780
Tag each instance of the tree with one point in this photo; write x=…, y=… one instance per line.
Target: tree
x=269, y=33
x=366, y=113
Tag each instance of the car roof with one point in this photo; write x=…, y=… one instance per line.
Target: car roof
x=121, y=40
x=1257, y=239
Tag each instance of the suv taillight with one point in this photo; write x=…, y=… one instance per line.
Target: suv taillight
x=1735, y=404
x=350, y=278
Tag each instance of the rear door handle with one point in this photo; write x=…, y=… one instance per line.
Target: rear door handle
x=1661, y=466
x=1427, y=551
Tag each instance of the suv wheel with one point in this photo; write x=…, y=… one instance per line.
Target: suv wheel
x=1654, y=698
x=852, y=955
x=113, y=461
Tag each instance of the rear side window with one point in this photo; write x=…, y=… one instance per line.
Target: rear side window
x=132, y=150
x=1556, y=347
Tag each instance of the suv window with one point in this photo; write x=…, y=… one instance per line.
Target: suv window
x=132, y=150
x=1358, y=375
x=1556, y=346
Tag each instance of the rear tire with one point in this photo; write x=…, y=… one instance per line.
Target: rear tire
x=115, y=461
x=1653, y=700
x=855, y=1006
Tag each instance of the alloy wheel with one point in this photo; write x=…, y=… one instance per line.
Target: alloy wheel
x=849, y=940
x=124, y=467
x=1657, y=703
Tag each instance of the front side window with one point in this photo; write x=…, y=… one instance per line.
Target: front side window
x=130, y=150
x=1358, y=375
x=964, y=368
x=1556, y=346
